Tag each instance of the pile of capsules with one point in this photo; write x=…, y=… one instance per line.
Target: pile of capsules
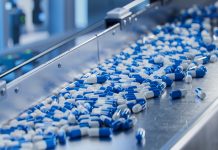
x=105, y=99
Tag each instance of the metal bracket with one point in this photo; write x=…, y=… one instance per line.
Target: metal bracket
x=122, y=15
x=2, y=87
x=116, y=15
x=127, y=13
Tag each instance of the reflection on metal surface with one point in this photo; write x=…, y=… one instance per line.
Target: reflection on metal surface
x=203, y=133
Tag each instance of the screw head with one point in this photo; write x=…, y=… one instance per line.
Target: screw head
x=16, y=90
x=2, y=92
x=59, y=65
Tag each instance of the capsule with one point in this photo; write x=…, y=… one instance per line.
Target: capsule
x=26, y=145
x=48, y=143
x=117, y=124
x=99, y=132
x=96, y=79
x=167, y=80
x=94, y=124
x=140, y=135
x=77, y=133
x=199, y=72
x=133, y=96
x=138, y=108
x=178, y=76
x=107, y=121
x=152, y=94
x=202, y=60
x=61, y=136
x=129, y=123
x=179, y=69
x=12, y=144
x=125, y=113
x=159, y=59
x=199, y=93
x=177, y=94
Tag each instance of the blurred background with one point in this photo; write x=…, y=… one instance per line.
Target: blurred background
x=30, y=27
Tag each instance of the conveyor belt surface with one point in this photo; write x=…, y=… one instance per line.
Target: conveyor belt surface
x=164, y=119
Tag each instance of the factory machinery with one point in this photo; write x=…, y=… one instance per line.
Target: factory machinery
x=187, y=123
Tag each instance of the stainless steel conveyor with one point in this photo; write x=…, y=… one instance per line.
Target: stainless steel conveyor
x=184, y=124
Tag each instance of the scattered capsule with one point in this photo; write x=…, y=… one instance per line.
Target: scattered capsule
x=199, y=92
x=177, y=94
x=140, y=135
x=199, y=72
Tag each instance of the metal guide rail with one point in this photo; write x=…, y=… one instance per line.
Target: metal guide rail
x=165, y=121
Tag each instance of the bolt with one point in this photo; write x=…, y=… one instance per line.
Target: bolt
x=59, y=65
x=16, y=90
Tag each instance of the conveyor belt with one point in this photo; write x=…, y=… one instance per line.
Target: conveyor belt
x=164, y=120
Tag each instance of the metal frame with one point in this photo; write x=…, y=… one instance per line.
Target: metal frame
x=31, y=87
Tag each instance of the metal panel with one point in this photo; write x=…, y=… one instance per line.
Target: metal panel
x=39, y=83
x=110, y=42
x=203, y=134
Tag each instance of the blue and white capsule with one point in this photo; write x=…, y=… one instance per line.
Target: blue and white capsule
x=139, y=107
x=96, y=79
x=167, y=80
x=177, y=94
x=199, y=72
x=200, y=93
x=140, y=135
x=61, y=136
x=107, y=121
x=152, y=94
x=99, y=132
x=133, y=96
x=77, y=132
x=178, y=76
x=49, y=143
